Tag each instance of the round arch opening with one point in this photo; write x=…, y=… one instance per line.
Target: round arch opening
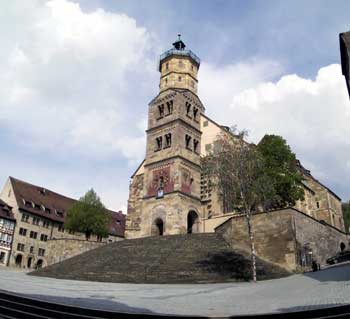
x=192, y=222
x=158, y=227
x=342, y=246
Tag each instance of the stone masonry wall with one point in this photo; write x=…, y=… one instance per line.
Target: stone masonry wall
x=274, y=236
x=281, y=236
x=322, y=240
x=61, y=249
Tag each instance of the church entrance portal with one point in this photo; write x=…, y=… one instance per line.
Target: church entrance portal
x=192, y=222
x=158, y=227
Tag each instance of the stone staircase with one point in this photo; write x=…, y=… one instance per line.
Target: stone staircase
x=188, y=258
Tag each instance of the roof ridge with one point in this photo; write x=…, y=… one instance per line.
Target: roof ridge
x=42, y=187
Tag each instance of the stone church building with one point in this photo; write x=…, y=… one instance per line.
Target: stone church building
x=167, y=194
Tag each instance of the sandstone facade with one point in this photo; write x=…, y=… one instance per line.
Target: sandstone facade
x=285, y=237
x=178, y=135
x=61, y=249
x=39, y=215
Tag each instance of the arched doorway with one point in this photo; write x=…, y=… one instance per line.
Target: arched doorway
x=29, y=262
x=158, y=227
x=39, y=264
x=192, y=222
x=18, y=260
x=342, y=246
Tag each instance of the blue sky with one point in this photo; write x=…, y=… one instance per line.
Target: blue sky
x=77, y=77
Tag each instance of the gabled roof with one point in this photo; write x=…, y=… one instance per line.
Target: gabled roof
x=6, y=211
x=307, y=172
x=40, y=201
x=43, y=202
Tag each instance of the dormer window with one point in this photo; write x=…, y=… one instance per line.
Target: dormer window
x=188, y=141
x=28, y=203
x=59, y=213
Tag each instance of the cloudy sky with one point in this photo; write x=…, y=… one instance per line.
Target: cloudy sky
x=76, y=78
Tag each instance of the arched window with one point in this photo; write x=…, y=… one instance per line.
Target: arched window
x=168, y=140
x=188, y=109
x=188, y=141
x=161, y=110
x=195, y=145
x=195, y=112
x=159, y=143
x=170, y=106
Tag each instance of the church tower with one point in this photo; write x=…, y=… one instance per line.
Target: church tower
x=169, y=201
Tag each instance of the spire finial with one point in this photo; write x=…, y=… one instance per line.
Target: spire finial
x=178, y=44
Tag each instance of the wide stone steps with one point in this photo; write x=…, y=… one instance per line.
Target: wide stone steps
x=165, y=259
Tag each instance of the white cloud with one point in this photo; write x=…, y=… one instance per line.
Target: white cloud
x=66, y=77
x=218, y=84
x=312, y=115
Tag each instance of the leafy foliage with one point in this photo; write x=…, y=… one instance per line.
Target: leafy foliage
x=346, y=215
x=88, y=216
x=253, y=177
x=282, y=172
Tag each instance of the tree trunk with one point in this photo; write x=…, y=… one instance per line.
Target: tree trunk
x=252, y=244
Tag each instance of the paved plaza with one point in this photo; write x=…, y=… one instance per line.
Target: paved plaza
x=326, y=288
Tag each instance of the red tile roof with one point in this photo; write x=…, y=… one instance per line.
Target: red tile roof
x=40, y=201
x=6, y=211
x=117, y=225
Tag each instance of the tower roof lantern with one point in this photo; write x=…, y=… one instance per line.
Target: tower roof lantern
x=179, y=44
x=179, y=50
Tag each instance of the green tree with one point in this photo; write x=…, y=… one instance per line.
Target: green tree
x=236, y=169
x=346, y=215
x=282, y=171
x=253, y=178
x=89, y=216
